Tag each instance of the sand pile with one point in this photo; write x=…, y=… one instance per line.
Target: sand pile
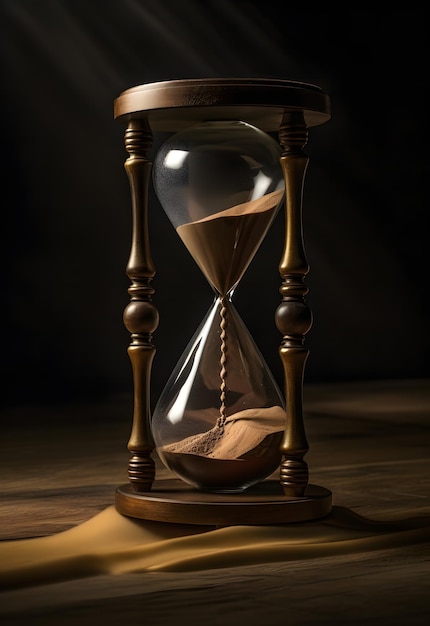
x=242, y=432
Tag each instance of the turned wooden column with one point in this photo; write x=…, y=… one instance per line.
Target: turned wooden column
x=140, y=315
x=293, y=317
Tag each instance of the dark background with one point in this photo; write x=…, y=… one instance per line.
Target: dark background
x=66, y=223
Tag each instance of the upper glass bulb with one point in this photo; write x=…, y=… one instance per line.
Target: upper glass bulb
x=221, y=185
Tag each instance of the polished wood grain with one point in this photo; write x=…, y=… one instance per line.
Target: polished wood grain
x=265, y=503
x=171, y=105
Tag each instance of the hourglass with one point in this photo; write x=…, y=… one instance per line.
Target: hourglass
x=222, y=426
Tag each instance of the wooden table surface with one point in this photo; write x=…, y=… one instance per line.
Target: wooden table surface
x=369, y=444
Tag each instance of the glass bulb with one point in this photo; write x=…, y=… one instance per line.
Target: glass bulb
x=226, y=170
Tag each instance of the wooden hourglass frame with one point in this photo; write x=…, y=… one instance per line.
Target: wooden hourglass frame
x=282, y=108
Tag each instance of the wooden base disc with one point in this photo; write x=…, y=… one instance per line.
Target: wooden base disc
x=175, y=501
